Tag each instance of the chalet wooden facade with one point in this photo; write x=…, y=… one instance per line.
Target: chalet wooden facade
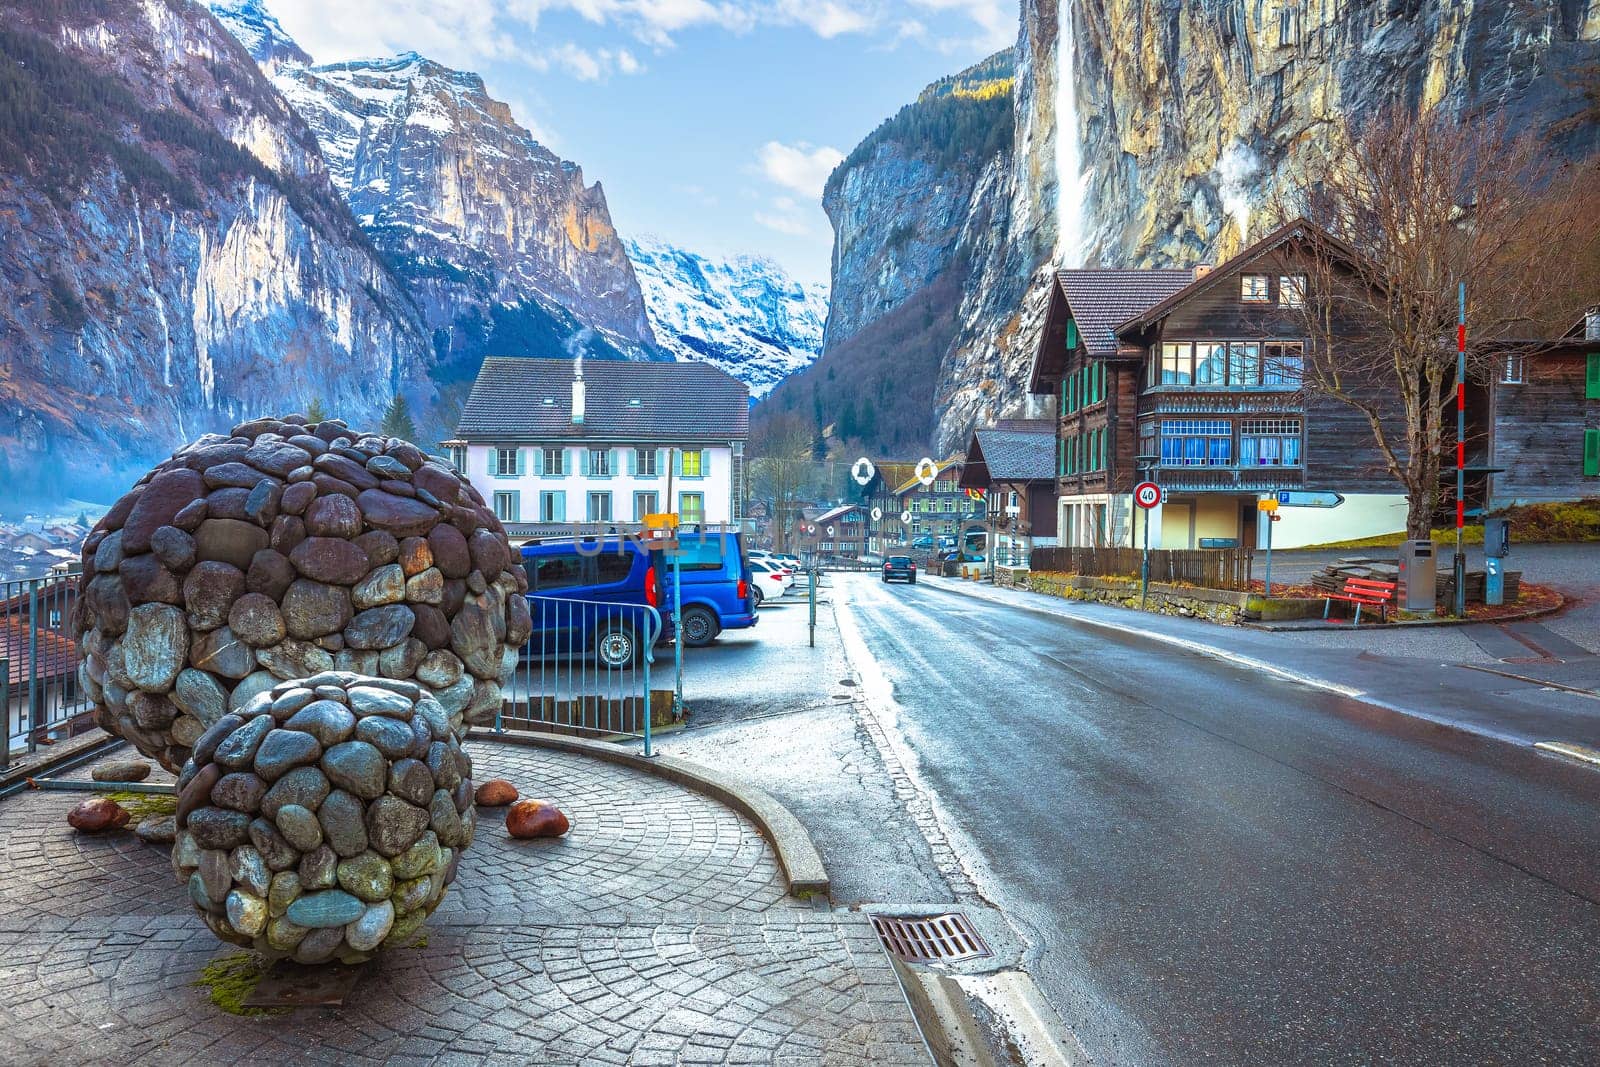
x=1193, y=379
x=1012, y=463
x=1545, y=411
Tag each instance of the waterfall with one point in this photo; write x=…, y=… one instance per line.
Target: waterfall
x=1070, y=178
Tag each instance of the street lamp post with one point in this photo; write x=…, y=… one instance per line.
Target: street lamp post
x=1144, y=465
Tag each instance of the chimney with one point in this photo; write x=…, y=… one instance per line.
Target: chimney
x=1201, y=270
x=577, y=391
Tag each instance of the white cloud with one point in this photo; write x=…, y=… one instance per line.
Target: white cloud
x=785, y=216
x=588, y=64
x=801, y=167
x=996, y=20
x=457, y=32
x=826, y=18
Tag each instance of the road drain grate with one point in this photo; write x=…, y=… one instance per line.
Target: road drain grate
x=946, y=938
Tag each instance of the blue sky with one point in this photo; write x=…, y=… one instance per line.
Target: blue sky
x=711, y=123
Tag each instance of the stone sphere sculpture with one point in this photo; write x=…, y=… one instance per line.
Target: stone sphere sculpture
x=324, y=818
x=284, y=550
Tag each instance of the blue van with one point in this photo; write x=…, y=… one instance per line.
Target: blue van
x=717, y=589
x=595, y=599
x=616, y=579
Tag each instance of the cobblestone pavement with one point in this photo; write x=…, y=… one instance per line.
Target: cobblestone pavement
x=657, y=932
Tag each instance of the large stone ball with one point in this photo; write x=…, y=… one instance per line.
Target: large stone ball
x=283, y=550
x=324, y=818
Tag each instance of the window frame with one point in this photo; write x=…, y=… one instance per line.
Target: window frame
x=640, y=512
x=589, y=499
x=1277, y=428
x=600, y=458
x=560, y=464
x=699, y=455
x=499, y=468
x=512, y=497
x=684, y=512
x=1247, y=295
x=639, y=464
x=1292, y=284
x=1514, y=368
x=552, y=497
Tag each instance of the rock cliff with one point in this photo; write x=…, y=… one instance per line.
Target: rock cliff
x=1190, y=114
x=934, y=239
x=173, y=249
x=500, y=242
x=745, y=314
x=1149, y=133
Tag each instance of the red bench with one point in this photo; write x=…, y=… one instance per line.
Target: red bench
x=1363, y=593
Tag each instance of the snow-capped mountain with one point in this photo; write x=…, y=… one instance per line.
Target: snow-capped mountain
x=499, y=241
x=745, y=315
x=253, y=26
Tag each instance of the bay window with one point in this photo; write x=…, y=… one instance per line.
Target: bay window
x=1269, y=443
x=1196, y=443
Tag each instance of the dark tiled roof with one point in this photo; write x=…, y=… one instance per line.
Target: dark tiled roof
x=1017, y=455
x=676, y=401
x=1102, y=300
x=1297, y=230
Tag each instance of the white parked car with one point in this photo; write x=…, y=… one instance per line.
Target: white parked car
x=770, y=582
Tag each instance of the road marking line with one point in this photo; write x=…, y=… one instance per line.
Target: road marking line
x=1578, y=753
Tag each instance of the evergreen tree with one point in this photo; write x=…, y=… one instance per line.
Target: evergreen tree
x=397, y=420
x=316, y=412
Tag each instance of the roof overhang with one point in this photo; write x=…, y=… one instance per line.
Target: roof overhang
x=1050, y=358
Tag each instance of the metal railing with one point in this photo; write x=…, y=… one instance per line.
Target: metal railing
x=1227, y=568
x=587, y=670
x=38, y=662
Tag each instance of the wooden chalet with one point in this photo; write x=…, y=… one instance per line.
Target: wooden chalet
x=1545, y=414
x=1192, y=379
x=1013, y=464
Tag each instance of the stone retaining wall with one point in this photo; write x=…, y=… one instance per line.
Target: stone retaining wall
x=1217, y=605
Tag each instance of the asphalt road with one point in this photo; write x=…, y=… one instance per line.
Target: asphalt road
x=1216, y=866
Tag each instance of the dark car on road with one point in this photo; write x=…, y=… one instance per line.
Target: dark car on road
x=903, y=567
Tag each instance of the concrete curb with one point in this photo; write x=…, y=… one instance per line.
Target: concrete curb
x=797, y=853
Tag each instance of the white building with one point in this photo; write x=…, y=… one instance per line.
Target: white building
x=554, y=443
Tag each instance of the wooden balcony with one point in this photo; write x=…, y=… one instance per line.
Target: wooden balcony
x=1230, y=479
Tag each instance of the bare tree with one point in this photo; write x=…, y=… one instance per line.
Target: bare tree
x=781, y=470
x=1416, y=207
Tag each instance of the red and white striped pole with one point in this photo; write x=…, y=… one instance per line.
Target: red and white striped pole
x=1459, y=564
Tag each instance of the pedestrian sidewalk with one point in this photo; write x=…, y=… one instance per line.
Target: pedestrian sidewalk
x=658, y=931
x=1441, y=676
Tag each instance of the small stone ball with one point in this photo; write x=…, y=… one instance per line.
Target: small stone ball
x=325, y=817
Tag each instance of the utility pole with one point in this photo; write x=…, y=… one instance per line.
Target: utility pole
x=1459, y=565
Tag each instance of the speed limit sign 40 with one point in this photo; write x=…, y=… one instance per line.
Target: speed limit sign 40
x=1147, y=494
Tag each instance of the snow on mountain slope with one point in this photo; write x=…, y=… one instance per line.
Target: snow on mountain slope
x=745, y=315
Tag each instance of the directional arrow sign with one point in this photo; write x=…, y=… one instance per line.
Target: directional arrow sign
x=1306, y=498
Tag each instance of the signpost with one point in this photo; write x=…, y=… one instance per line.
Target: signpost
x=1146, y=495
x=1459, y=564
x=1305, y=498
x=1269, y=506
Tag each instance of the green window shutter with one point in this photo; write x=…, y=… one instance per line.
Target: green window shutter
x=705, y=463
x=583, y=462
x=613, y=464
x=661, y=462
x=1591, y=453
x=1072, y=334
x=1061, y=456
x=1591, y=380
x=633, y=461
x=538, y=461
x=521, y=461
